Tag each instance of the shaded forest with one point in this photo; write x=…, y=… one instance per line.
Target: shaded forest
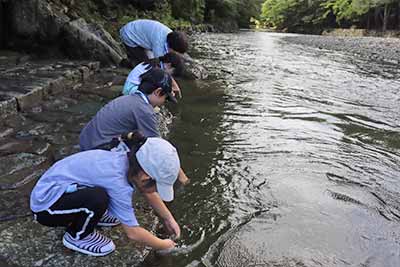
x=317, y=15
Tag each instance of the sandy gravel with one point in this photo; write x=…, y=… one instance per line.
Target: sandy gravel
x=381, y=49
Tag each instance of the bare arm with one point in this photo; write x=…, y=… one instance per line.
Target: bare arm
x=183, y=179
x=163, y=212
x=176, y=88
x=143, y=236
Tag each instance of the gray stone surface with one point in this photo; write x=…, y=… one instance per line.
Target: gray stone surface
x=25, y=85
x=36, y=19
x=85, y=40
x=27, y=243
x=375, y=48
x=30, y=142
x=40, y=24
x=193, y=69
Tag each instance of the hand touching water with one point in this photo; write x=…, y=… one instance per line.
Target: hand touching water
x=172, y=228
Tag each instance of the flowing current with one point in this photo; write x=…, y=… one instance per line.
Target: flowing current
x=294, y=157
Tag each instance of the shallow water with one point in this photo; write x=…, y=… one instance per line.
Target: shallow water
x=293, y=153
x=294, y=156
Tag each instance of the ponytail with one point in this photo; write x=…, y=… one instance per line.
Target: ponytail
x=173, y=58
x=153, y=62
x=134, y=140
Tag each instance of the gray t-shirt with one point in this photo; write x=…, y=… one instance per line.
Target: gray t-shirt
x=102, y=168
x=121, y=115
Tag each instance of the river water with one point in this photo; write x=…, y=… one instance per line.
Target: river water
x=294, y=156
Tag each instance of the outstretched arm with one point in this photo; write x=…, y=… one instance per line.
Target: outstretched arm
x=183, y=179
x=175, y=88
x=163, y=212
x=143, y=236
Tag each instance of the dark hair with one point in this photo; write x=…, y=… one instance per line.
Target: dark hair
x=178, y=41
x=173, y=58
x=153, y=79
x=134, y=140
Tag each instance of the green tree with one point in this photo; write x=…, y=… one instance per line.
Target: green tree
x=190, y=10
x=248, y=10
x=293, y=15
x=232, y=11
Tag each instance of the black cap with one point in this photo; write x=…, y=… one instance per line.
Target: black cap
x=156, y=78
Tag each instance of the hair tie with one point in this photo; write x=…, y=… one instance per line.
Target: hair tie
x=129, y=135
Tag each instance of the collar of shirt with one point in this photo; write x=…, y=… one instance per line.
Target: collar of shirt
x=166, y=51
x=143, y=96
x=166, y=47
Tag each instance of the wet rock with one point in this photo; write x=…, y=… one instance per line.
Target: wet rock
x=85, y=72
x=58, y=85
x=83, y=40
x=34, y=97
x=13, y=146
x=193, y=69
x=164, y=118
x=32, y=141
x=6, y=132
x=382, y=49
x=8, y=106
x=119, y=80
x=59, y=102
x=72, y=75
x=25, y=86
x=94, y=66
x=18, y=162
x=23, y=59
x=26, y=243
x=38, y=244
x=15, y=200
x=36, y=19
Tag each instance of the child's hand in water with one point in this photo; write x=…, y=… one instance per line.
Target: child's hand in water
x=168, y=244
x=172, y=228
x=184, y=180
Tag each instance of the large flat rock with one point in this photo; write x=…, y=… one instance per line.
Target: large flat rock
x=30, y=141
x=25, y=242
x=25, y=83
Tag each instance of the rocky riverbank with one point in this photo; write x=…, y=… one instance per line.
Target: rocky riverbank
x=375, y=48
x=31, y=140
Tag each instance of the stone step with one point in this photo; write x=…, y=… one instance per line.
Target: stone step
x=25, y=85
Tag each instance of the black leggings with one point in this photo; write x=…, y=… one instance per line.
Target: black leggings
x=79, y=211
x=136, y=55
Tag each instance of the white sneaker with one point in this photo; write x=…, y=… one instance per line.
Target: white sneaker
x=108, y=220
x=95, y=244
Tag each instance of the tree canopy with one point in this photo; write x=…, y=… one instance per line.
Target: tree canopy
x=315, y=15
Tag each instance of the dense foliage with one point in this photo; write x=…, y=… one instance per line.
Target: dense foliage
x=232, y=13
x=315, y=15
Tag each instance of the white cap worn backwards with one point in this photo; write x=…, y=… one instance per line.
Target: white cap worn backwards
x=159, y=159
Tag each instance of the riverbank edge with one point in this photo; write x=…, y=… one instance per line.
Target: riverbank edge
x=341, y=32
x=44, y=245
x=69, y=79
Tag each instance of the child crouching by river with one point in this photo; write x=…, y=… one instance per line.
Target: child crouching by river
x=77, y=191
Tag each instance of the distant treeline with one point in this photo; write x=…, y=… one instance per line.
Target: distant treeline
x=215, y=11
x=223, y=13
x=317, y=15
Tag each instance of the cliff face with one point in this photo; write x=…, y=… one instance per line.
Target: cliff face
x=86, y=29
x=49, y=28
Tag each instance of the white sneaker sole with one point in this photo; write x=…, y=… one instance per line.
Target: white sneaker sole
x=73, y=247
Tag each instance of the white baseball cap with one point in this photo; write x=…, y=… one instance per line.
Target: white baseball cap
x=159, y=159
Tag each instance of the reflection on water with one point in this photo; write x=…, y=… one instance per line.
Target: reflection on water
x=294, y=155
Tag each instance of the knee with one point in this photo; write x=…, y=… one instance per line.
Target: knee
x=100, y=198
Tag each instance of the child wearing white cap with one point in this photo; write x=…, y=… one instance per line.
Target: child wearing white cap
x=76, y=191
